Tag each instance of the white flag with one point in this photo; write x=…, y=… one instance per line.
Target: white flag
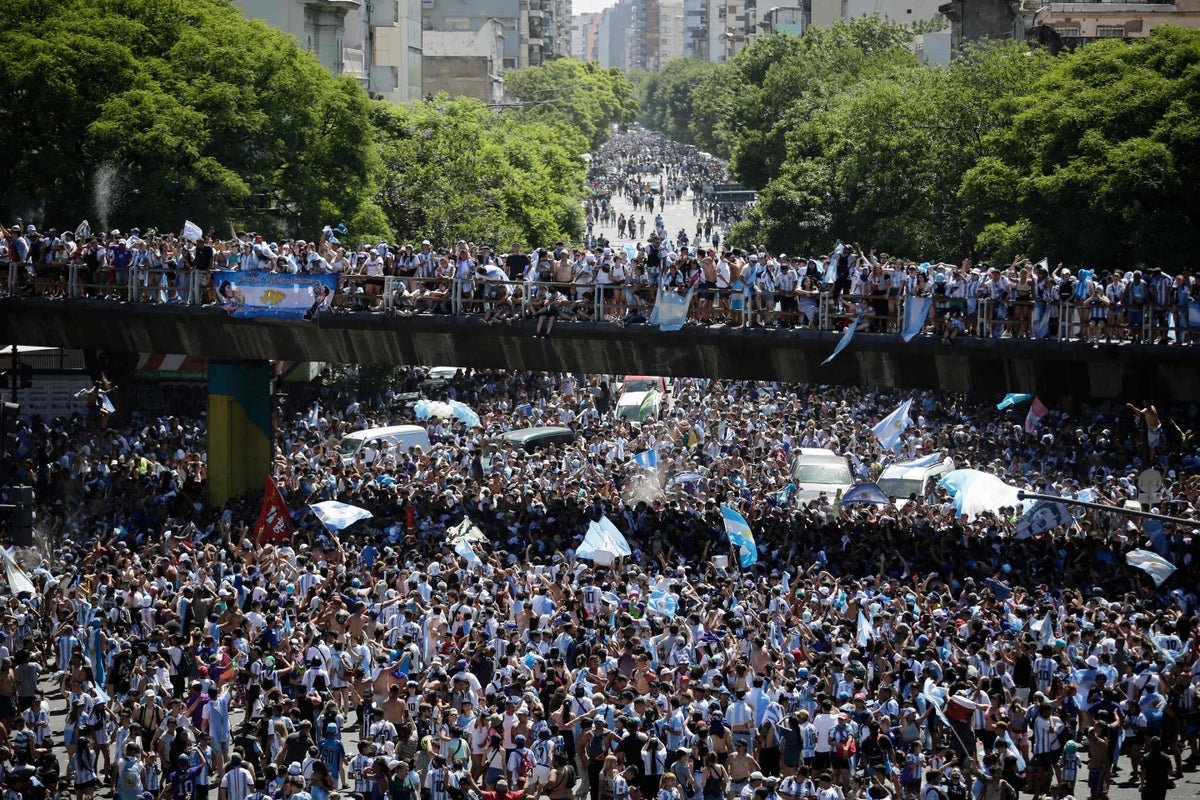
x=192, y=232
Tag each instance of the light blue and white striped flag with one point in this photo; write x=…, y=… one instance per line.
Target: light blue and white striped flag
x=670, y=309
x=1152, y=563
x=647, y=459
x=338, y=516
x=916, y=311
x=740, y=536
x=890, y=428
x=463, y=548
x=844, y=341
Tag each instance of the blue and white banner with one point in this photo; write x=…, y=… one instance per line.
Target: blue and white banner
x=338, y=516
x=738, y=531
x=916, y=311
x=1011, y=399
x=663, y=603
x=865, y=493
x=603, y=543
x=191, y=231
x=923, y=461
x=1042, y=516
x=1041, y=319
x=269, y=294
x=647, y=459
x=851, y=327
x=671, y=309
x=1152, y=563
x=463, y=548
x=890, y=427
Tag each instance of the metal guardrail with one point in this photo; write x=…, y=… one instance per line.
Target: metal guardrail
x=508, y=300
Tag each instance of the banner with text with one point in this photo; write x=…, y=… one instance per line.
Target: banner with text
x=269, y=294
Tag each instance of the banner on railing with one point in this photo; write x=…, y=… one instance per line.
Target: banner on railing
x=268, y=294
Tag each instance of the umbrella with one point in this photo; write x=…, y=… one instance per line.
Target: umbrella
x=424, y=409
x=464, y=413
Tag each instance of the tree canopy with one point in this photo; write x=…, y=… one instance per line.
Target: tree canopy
x=1087, y=156
x=453, y=169
x=175, y=109
x=149, y=112
x=572, y=94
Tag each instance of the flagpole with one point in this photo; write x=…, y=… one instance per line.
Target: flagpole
x=1130, y=512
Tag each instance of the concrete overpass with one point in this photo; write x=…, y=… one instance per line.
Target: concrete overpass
x=1061, y=373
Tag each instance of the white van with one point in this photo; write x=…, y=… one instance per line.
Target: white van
x=816, y=471
x=917, y=476
x=399, y=437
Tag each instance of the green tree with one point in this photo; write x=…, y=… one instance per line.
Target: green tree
x=1098, y=163
x=883, y=161
x=666, y=96
x=454, y=170
x=744, y=109
x=176, y=109
x=572, y=94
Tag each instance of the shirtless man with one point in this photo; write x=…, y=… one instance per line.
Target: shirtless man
x=1153, y=426
x=740, y=765
x=708, y=278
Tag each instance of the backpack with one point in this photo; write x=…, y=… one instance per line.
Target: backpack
x=526, y=765
x=131, y=774
x=186, y=666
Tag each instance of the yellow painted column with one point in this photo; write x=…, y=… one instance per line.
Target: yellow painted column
x=239, y=428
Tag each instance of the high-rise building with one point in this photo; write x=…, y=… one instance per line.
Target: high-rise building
x=376, y=41
x=534, y=30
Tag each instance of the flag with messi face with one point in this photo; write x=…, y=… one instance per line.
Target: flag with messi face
x=740, y=536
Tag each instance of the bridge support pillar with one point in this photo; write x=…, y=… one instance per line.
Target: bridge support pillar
x=239, y=428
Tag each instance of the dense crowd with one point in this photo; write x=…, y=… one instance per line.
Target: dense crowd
x=600, y=278
x=871, y=652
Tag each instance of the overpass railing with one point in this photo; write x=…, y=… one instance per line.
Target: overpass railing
x=508, y=301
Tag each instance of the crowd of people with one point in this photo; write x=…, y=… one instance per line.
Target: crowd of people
x=900, y=651
x=618, y=279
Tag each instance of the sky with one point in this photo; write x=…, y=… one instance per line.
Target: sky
x=590, y=6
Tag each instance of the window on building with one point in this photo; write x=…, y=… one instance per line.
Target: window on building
x=457, y=24
x=1110, y=31
x=1068, y=32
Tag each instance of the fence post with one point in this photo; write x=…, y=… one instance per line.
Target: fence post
x=389, y=287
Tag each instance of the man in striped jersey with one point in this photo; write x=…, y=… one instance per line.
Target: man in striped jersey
x=1046, y=732
x=237, y=782
x=360, y=765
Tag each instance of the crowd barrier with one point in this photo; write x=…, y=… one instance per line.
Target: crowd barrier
x=506, y=300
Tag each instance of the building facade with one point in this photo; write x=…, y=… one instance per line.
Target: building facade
x=465, y=63
x=378, y=42
x=1059, y=25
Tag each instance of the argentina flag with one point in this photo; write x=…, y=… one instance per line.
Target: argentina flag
x=740, y=536
x=647, y=459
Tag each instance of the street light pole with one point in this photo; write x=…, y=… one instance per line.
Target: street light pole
x=1129, y=512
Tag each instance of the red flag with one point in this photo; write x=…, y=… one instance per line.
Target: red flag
x=272, y=525
x=1037, y=410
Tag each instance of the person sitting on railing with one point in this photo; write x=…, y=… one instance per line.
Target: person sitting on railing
x=496, y=291
x=808, y=296
x=583, y=288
